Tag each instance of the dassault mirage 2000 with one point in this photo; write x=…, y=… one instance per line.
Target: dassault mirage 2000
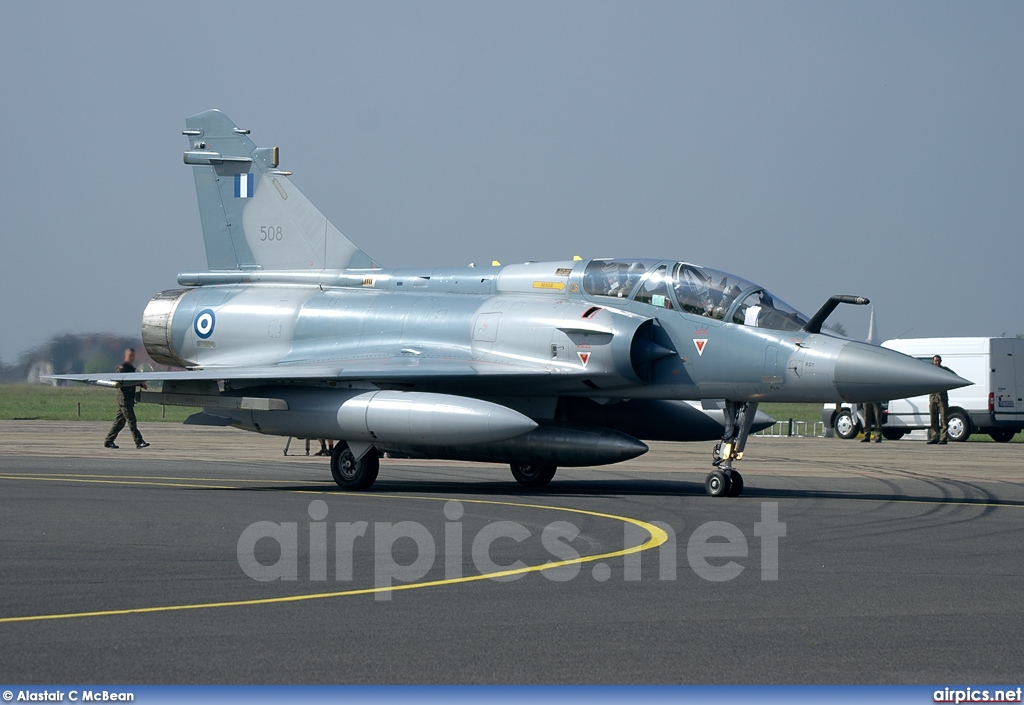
x=294, y=331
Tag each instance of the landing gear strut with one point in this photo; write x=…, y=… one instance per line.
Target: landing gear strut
x=724, y=480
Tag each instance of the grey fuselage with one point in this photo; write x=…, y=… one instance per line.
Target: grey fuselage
x=534, y=315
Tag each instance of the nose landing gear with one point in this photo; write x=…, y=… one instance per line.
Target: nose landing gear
x=724, y=480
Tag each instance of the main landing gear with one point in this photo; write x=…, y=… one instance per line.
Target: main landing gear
x=352, y=473
x=533, y=474
x=724, y=481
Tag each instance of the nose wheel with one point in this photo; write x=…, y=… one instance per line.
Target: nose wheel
x=724, y=481
x=722, y=484
x=735, y=484
x=716, y=484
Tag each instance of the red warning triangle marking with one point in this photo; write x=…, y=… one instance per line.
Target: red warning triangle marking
x=584, y=357
x=700, y=343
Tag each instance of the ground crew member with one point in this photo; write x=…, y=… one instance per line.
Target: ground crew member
x=938, y=406
x=126, y=405
x=872, y=421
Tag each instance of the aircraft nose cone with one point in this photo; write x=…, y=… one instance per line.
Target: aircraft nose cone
x=869, y=373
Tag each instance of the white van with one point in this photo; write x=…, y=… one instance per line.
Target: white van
x=994, y=404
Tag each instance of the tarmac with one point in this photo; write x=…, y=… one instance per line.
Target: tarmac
x=211, y=557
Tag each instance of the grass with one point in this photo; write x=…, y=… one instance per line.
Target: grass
x=33, y=401
x=75, y=403
x=812, y=412
x=797, y=412
x=985, y=438
x=88, y=403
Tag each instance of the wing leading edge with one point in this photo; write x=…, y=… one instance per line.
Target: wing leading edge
x=375, y=371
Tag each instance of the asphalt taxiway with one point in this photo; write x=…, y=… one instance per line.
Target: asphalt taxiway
x=893, y=563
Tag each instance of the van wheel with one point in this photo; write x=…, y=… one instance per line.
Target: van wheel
x=958, y=426
x=1003, y=435
x=892, y=434
x=845, y=426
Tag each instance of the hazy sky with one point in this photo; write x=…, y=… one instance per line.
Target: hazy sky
x=870, y=148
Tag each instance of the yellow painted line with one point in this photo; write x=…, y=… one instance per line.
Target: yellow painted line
x=74, y=475
x=43, y=478
x=657, y=538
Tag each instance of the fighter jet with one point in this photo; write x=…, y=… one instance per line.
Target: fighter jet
x=293, y=330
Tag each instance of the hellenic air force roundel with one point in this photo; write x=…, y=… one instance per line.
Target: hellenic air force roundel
x=204, y=323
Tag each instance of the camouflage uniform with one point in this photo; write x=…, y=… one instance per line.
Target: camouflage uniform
x=938, y=408
x=873, y=421
x=125, y=410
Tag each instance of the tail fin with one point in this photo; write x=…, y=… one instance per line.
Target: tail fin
x=252, y=215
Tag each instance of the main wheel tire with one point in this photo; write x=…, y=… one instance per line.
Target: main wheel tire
x=892, y=434
x=716, y=484
x=351, y=474
x=846, y=426
x=735, y=484
x=1003, y=435
x=533, y=474
x=958, y=426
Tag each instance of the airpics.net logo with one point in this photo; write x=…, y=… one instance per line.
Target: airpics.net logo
x=406, y=552
x=978, y=695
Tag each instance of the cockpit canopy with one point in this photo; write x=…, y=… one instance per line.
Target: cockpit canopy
x=700, y=291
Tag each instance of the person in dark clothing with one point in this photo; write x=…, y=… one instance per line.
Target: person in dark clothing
x=126, y=406
x=326, y=449
x=872, y=421
x=938, y=408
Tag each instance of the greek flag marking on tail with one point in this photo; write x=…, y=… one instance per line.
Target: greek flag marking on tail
x=243, y=185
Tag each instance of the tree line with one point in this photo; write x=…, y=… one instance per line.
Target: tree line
x=74, y=353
